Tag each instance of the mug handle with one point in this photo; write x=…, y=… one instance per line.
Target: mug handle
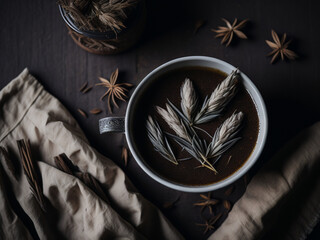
x=112, y=124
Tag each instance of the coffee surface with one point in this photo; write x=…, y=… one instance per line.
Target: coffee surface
x=188, y=172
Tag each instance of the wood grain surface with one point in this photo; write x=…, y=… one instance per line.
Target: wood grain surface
x=34, y=35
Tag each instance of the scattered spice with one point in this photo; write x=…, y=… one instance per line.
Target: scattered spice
x=114, y=89
x=95, y=111
x=168, y=205
x=87, y=89
x=198, y=25
x=229, y=159
x=208, y=202
x=124, y=155
x=32, y=173
x=280, y=47
x=209, y=224
x=229, y=191
x=229, y=31
x=84, y=85
x=83, y=113
x=227, y=205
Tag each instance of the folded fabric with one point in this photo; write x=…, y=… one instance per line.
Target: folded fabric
x=73, y=210
x=282, y=200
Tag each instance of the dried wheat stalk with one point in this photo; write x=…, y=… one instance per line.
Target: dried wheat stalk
x=187, y=137
x=189, y=99
x=225, y=136
x=172, y=119
x=159, y=141
x=182, y=123
x=219, y=98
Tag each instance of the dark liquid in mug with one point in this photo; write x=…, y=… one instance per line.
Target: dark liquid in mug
x=205, y=80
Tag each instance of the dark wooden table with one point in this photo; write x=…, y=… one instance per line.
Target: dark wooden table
x=34, y=35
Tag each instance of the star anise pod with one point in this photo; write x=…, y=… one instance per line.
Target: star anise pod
x=280, y=47
x=229, y=31
x=114, y=89
x=171, y=204
x=209, y=223
x=208, y=202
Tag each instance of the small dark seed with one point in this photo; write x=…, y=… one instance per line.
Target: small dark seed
x=83, y=86
x=95, y=111
x=87, y=89
x=168, y=205
x=227, y=205
x=229, y=191
x=198, y=25
x=82, y=113
x=124, y=155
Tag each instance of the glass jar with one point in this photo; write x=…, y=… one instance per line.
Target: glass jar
x=109, y=42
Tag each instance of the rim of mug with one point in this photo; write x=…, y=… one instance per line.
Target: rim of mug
x=262, y=115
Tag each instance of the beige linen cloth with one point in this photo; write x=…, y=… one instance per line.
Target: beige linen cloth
x=283, y=200
x=73, y=210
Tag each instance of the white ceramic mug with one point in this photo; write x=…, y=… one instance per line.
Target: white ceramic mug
x=126, y=124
